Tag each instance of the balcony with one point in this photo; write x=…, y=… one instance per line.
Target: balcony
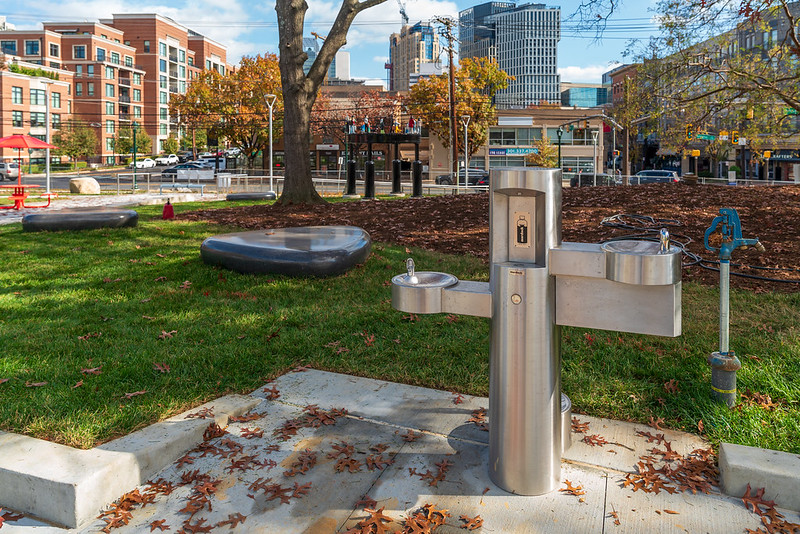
x=173, y=59
x=124, y=116
x=124, y=81
x=124, y=99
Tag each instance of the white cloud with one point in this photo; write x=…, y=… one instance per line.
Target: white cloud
x=381, y=59
x=587, y=74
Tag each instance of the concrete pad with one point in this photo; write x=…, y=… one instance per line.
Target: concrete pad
x=646, y=512
x=69, y=486
x=776, y=471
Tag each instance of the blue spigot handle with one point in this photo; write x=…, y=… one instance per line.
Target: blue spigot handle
x=731, y=229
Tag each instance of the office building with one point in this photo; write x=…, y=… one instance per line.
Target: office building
x=524, y=41
x=584, y=95
x=413, y=52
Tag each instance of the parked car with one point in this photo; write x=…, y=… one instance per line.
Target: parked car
x=183, y=157
x=474, y=177
x=9, y=171
x=171, y=159
x=208, y=163
x=588, y=179
x=232, y=152
x=191, y=165
x=145, y=163
x=655, y=177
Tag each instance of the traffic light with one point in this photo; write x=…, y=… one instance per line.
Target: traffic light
x=689, y=132
x=616, y=153
x=767, y=154
x=735, y=137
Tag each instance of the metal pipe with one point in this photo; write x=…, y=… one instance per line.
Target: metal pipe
x=724, y=305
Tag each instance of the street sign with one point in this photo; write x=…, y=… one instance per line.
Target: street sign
x=791, y=111
x=742, y=141
x=706, y=137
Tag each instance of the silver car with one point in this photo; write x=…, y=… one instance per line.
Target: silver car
x=655, y=177
x=9, y=171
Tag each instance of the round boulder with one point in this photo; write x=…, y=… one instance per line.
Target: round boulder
x=84, y=186
x=79, y=219
x=298, y=251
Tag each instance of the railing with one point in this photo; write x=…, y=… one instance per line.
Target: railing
x=124, y=81
x=124, y=99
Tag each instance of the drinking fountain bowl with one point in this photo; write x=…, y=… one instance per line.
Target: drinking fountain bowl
x=645, y=263
x=420, y=292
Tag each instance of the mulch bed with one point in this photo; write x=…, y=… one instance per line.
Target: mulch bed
x=460, y=224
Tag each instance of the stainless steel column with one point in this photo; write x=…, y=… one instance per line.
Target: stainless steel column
x=525, y=368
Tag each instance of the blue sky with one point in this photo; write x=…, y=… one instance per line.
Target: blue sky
x=247, y=28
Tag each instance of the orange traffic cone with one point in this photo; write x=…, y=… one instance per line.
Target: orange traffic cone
x=169, y=212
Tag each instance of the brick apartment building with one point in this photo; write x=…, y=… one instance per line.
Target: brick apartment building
x=110, y=74
x=33, y=82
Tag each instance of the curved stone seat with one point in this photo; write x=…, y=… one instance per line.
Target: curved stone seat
x=79, y=219
x=269, y=195
x=298, y=251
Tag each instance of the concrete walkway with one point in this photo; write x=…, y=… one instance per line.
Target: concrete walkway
x=405, y=447
x=8, y=216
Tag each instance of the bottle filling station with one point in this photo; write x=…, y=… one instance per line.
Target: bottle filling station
x=536, y=285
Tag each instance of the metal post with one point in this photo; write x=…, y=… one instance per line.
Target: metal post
x=465, y=122
x=134, y=155
x=416, y=171
x=396, y=171
x=595, y=134
x=47, y=138
x=270, y=98
x=559, y=133
x=369, y=174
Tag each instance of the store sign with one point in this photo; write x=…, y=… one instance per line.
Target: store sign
x=327, y=147
x=512, y=151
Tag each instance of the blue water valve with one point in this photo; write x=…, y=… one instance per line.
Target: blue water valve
x=731, y=228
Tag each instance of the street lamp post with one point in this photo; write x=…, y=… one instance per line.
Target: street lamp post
x=595, y=133
x=47, y=137
x=134, y=155
x=465, y=122
x=270, y=99
x=559, y=133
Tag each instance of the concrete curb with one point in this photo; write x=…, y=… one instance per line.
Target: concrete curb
x=70, y=486
x=776, y=471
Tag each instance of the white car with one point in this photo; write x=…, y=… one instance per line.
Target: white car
x=145, y=163
x=172, y=159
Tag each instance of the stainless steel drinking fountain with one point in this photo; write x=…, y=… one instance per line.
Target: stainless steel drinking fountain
x=536, y=284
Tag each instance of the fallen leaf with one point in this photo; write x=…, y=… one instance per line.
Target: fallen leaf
x=134, y=394
x=471, y=523
x=671, y=386
x=700, y=426
x=34, y=384
x=92, y=371
x=159, y=525
x=671, y=511
x=4, y=380
x=161, y=367
x=79, y=384
x=165, y=334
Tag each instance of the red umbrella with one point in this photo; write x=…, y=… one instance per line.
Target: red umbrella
x=20, y=141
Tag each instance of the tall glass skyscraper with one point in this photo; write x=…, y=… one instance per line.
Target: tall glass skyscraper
x=524, y=41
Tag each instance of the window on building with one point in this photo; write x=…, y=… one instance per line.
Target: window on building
x=162, y=97
x=208, y=64
x=162, y=65
x=8, y=47
x=162, y=49
x=16, y=119
x=182, y=87
x=109, y=144
x=109, y=73
x=163, y=113
x=146, y=47
x=90, y=71
x=128, y=61
x=55, y=120
x=90, y=88
x=222, y=69
x=191, y=61
x=137, y=78
x=16, y=95
x=109, y=108
x=137, y=95
x=110, y=89
x=115, y=58
x=162, y=82
x=38, y=118
x=127, y=42
x=182, y=56
x=502, y=136
x=54, y=50
x=137, y=112
x=181, y=71
x=32, y=47
x=79, y=52
x=55, y=100
x=100, y=54
x=110, y=126
x=38, y=97
x=162, y=129
x=78, y=89
x=78, y=71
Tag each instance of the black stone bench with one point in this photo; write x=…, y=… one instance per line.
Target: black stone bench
x=79, y=219
x=298, y=251
x=269, y=195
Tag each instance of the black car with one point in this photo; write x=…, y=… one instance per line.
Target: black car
x=583, y=180
x=183, y=157
x=475, y=177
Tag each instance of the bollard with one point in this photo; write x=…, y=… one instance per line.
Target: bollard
x=416, y=179
x=723, y=377
x=396, y=190
x=351, y=179
x=369, y=179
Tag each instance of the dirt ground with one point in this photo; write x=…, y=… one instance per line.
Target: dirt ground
x=460, y=224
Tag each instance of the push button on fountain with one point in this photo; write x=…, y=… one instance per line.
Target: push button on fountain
x=516, y=299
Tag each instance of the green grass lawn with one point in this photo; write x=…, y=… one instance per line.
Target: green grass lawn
x=125, y=300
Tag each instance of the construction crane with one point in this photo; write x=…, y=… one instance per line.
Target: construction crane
x=403, y=13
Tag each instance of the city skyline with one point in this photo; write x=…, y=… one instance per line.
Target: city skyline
x=252, y=29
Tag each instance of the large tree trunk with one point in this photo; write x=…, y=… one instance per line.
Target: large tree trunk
x=300, y=90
